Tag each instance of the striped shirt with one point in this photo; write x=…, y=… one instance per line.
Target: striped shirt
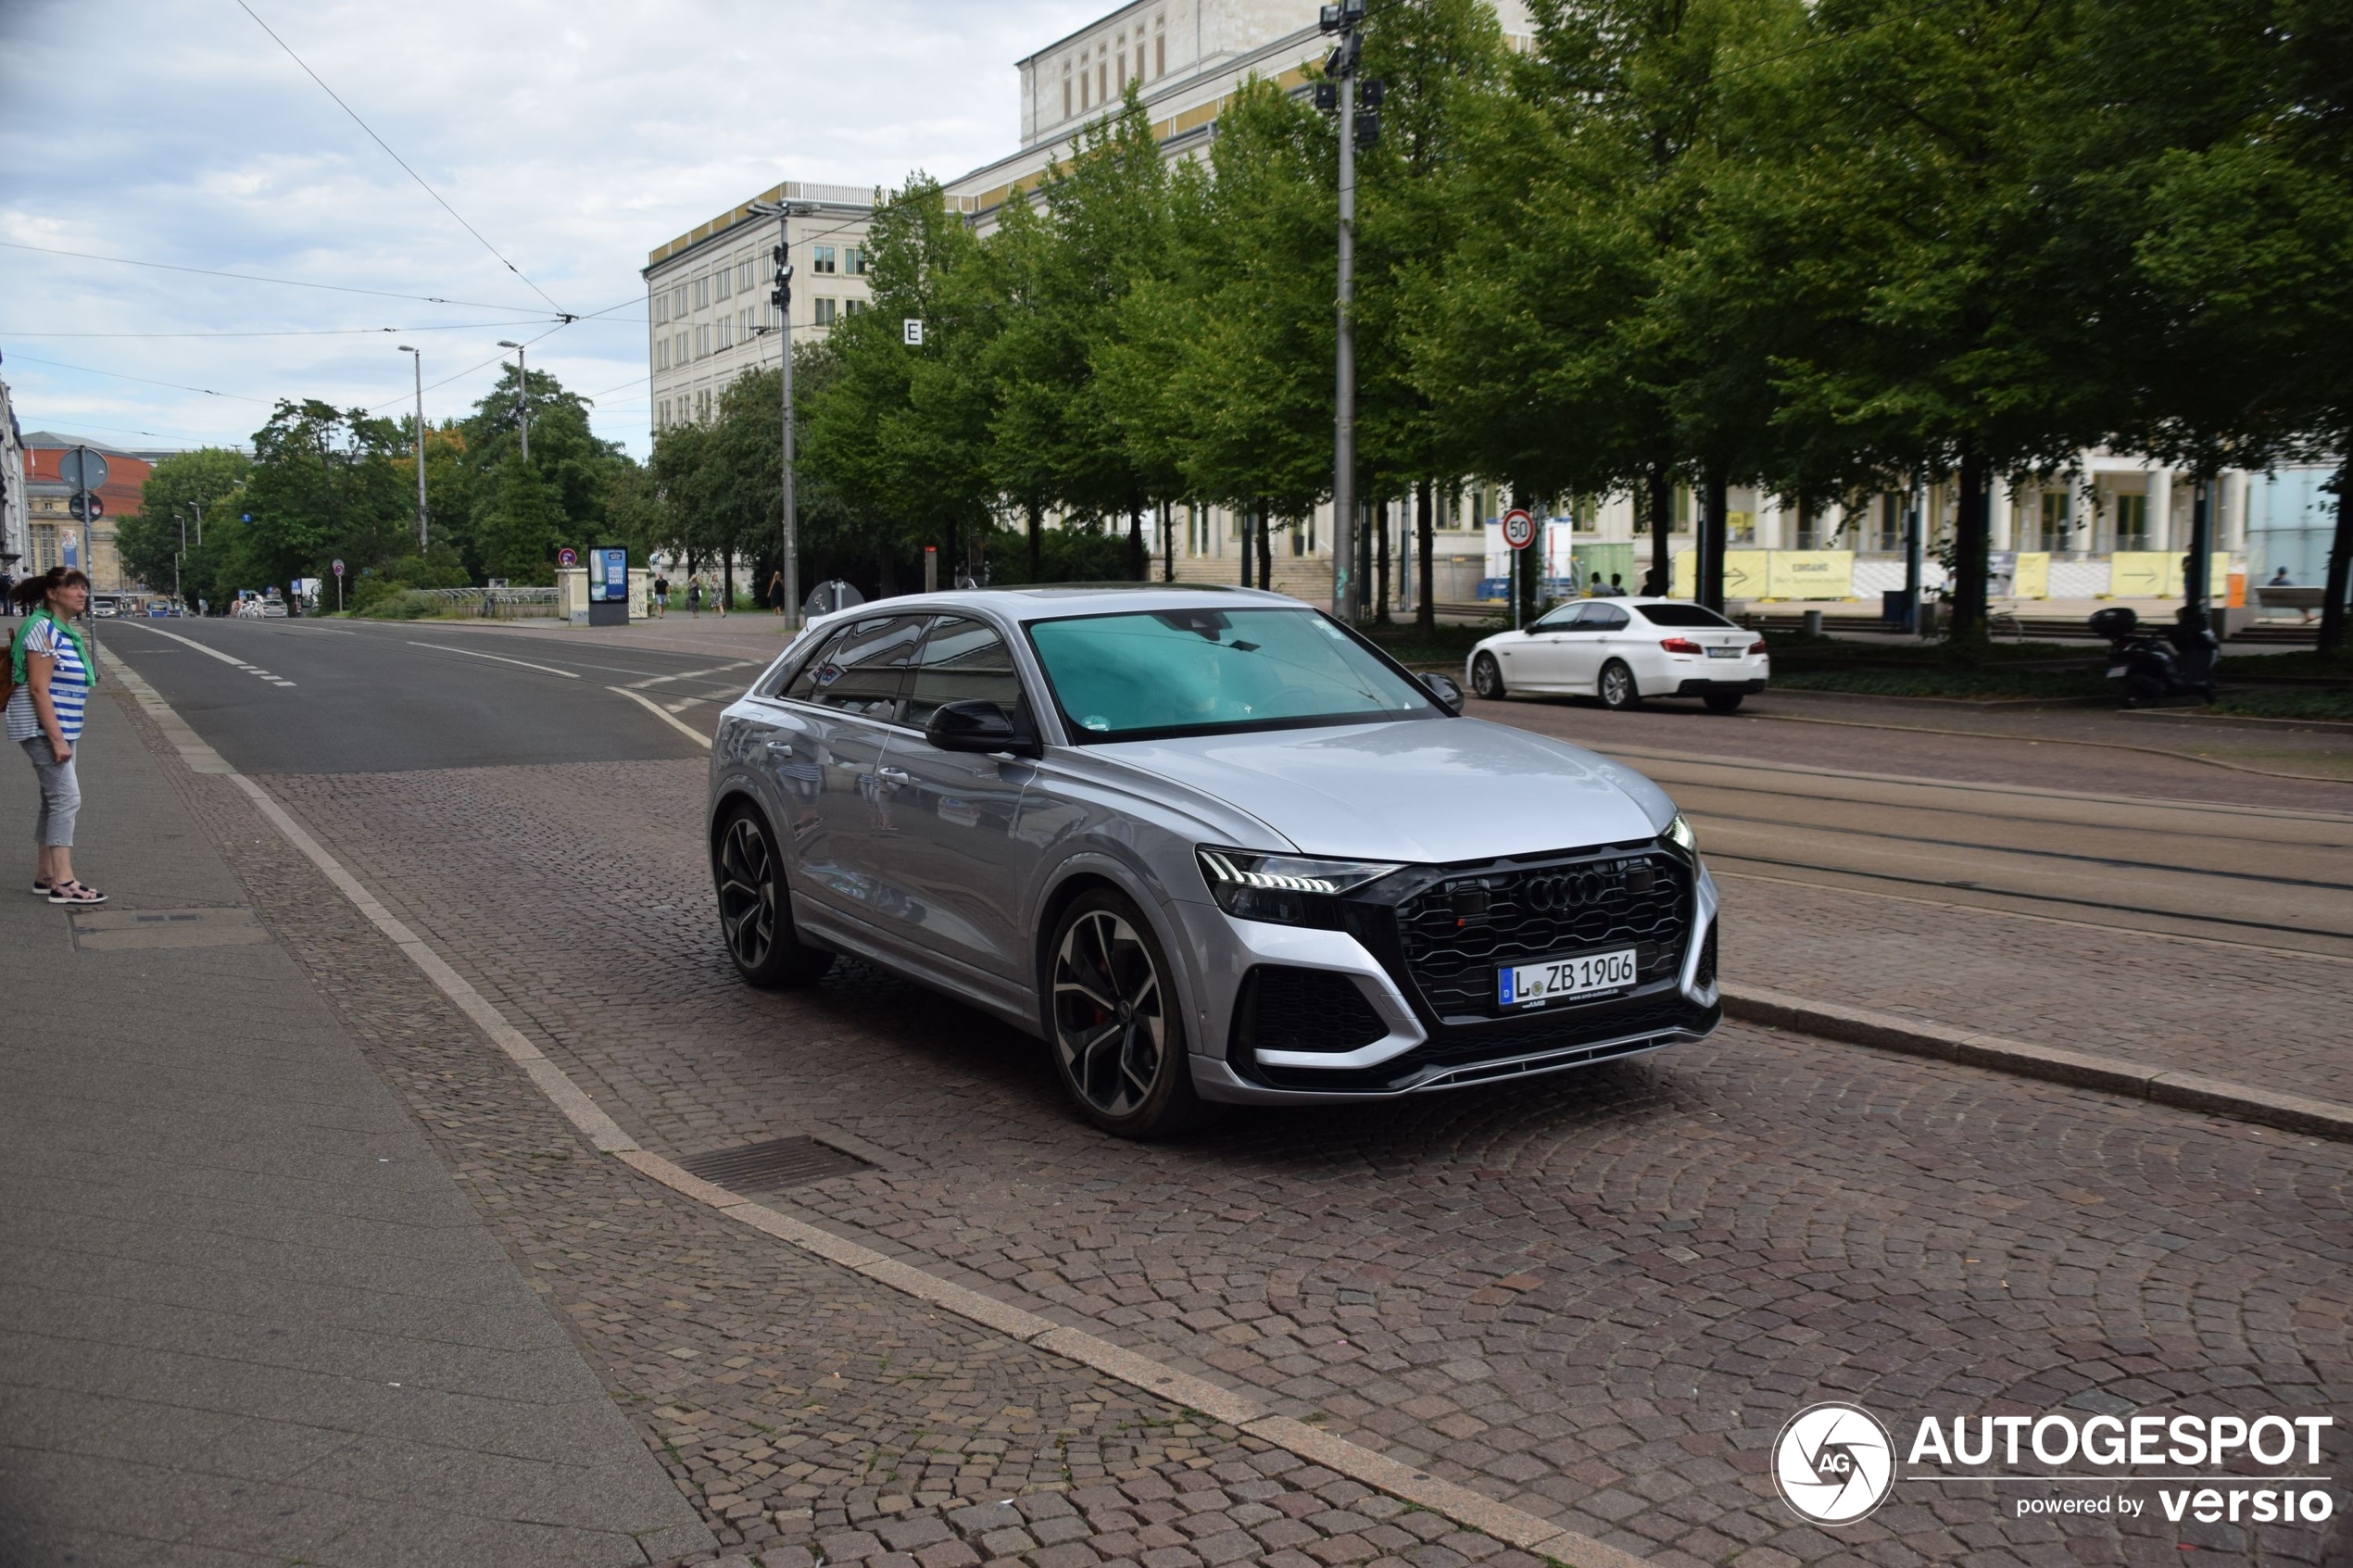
x=68, y=685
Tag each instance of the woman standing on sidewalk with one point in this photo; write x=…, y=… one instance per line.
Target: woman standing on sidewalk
x=51, y=666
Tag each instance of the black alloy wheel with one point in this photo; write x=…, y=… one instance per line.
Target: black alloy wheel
x=1118, y=1032
x=755, y=913
x=1615, y=687
x=1487, y=677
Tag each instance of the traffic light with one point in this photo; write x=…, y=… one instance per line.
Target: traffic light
x=1368, y=128
x=781, y=296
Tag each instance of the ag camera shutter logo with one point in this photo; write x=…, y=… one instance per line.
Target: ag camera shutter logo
x=1835, y=1463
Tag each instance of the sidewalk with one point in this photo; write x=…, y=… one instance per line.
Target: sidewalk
x=248, y=1317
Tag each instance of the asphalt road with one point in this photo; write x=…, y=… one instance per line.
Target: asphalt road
x=301, y=696
x=1596, y=1297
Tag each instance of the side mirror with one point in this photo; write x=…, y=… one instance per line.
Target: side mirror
x=1442, y=687
x=977, y=725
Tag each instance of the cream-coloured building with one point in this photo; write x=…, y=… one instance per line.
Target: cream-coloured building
x=708, y=292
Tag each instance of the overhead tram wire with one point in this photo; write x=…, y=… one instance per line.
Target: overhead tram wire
x=484, y=365
x=295, y=332
x=398, y=158
x=118, y=375
x=257, y=278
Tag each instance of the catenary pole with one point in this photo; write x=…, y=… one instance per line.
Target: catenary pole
x=418, y=359
x=1344, y=424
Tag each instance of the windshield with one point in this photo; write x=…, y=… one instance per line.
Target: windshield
x=1195, y=671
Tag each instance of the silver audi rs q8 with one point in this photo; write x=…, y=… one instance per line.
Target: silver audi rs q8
x=1211, y=846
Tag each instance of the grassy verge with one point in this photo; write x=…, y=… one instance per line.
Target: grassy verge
x=2290, y=703
x=1949, y=681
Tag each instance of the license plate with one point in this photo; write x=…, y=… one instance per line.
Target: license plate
x=1556, y=978
x=1723, y=653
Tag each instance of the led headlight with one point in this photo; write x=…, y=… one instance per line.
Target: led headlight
x=1679, y=833
x=1287, y=889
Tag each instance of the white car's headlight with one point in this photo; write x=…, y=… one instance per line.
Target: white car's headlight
x=1679, y=833
x=1287, y=889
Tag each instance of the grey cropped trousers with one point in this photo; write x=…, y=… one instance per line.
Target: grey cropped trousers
x=60, y=796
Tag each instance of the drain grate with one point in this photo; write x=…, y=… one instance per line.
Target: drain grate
x=114, y=930
x=773, y=1165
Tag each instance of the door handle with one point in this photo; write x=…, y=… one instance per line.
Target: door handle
x=896, y=778
x=776, y=747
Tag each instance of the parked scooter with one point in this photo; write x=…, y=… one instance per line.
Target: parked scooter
x=2153, y=670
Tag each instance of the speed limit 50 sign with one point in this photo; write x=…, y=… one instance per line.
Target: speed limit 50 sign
x=1519, y=529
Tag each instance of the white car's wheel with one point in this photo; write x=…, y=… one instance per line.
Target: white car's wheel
x=1487, y=677
x=1616, y=688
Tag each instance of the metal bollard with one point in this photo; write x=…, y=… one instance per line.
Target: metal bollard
x=1813, y=623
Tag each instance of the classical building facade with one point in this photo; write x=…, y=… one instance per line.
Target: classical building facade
x=52, y=536
x=13, y=500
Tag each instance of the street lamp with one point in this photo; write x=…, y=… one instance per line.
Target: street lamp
x=523, y=401
x=781, y=296
x=418, y=359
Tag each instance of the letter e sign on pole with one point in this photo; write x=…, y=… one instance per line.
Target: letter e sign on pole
x=1520, y=532
x=911, y=329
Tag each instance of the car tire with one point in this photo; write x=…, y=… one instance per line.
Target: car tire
x=755, y=909
x=1113, y=1021
x=1487, y=677
x=1722, y=702
x=1616, y=688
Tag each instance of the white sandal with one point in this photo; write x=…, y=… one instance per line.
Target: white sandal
x=75, y=893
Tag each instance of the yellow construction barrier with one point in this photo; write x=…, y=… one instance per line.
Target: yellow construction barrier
x=2032, y=578
x=1773, y=575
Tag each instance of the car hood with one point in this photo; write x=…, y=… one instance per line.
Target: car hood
x=1428, y=791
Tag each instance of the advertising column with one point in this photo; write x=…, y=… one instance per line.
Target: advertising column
x=607, y=587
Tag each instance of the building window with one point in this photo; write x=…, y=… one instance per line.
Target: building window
x=1160, y=54
x=820, y=259
x=720, y=279
x=2132, y=523
x=662, y=419
x=823, y=312
x=743, y=324
x=1065, y=89
x=662, y=354
x=1122, y=78
x=678, y=300
x=678, y=354
x=743, y=276
x=853, y=260
x=702, y=405
x=702, y=340
x=1103, y=81
x=1085, y=88
x=723, y=334
x=852, y=307
x=661, y=308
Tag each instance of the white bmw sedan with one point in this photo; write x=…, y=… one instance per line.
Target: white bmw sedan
x=1624, y=650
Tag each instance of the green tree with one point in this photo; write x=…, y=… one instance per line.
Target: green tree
x=523, y=527
x=321, y=486
x=183, y=484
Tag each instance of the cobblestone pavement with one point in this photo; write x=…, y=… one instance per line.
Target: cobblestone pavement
x=812, y=1415
x=1595, y=1297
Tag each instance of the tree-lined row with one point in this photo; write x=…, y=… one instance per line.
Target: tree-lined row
x=1822, y=246
x=322, y=485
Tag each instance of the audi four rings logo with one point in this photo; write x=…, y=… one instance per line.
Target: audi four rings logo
x=1834, y=1462
x=1566, y=892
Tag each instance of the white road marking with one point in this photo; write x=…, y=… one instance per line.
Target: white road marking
x=692, y=674
x=223, y=658
x=544, y=669
x=659, y=712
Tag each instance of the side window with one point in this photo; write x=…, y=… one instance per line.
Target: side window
x=865, y=672
x=1568, y=618
x=961, y=661
x=1603, y=618
x=802, y=684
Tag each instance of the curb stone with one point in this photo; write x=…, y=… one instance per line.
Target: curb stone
x=2185, y=1091
x=1472, y=1510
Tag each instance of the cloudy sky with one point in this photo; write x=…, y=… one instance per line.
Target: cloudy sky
x=575, y=136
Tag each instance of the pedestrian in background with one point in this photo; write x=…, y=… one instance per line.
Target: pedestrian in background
x=693, y=598
x=8, y=593
x=776, y=591
x=51, y=671
x=661, y=594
